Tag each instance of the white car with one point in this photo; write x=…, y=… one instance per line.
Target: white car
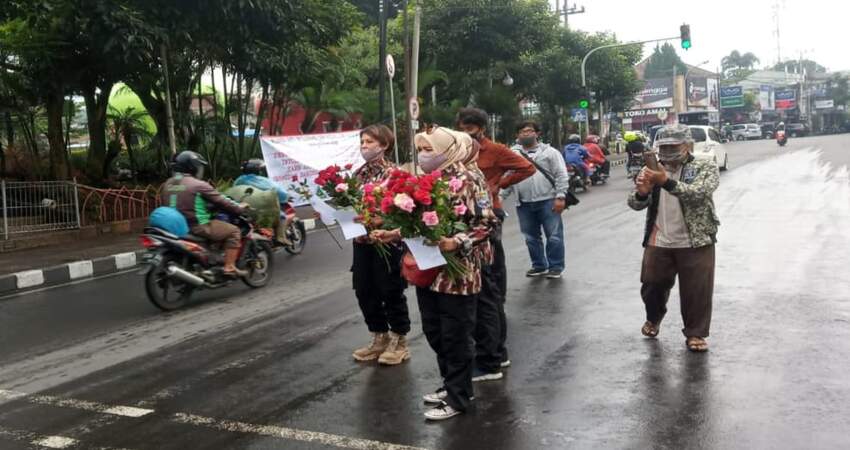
x=707, y=145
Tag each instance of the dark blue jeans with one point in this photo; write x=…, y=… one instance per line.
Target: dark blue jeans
x=535, y=217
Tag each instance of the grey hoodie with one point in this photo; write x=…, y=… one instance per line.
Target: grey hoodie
x=536, y=187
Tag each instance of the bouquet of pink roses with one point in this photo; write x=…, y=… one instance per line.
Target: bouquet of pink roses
x=423, y=206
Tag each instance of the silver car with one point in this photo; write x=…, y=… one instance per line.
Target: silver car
x=746, y=131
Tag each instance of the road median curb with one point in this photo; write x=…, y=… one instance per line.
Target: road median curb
x=65, y=273
x=79, y=270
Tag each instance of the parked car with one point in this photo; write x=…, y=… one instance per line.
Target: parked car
x=797, y=129
x=768, y=130
x=707, y=145
x=746, y=131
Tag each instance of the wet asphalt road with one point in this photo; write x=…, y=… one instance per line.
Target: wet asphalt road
x=271, y=369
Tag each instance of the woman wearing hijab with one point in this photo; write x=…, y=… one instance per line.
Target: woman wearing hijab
x=447, y=306
x=378, y=283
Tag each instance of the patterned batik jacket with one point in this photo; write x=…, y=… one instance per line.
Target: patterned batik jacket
x=698, y=180
x=475, y=250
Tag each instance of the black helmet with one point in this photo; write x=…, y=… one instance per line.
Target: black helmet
x=574, y=139
x=254, y=166
x=190, y=163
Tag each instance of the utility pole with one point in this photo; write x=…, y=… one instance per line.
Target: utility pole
x=414, y=79
x=567, y=11
x=776, y=8
x=169, y=115
x=382, y=56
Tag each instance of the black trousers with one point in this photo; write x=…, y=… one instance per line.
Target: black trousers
x=491, y=326
x=380, y=289
x=695, y=269
x=448, y=322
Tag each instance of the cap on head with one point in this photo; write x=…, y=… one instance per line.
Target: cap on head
x=674, y=135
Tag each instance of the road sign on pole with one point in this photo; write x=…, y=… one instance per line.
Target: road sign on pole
x=578, y=114
x=390, y=66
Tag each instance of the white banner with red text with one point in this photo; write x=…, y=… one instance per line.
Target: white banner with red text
x=290, y=159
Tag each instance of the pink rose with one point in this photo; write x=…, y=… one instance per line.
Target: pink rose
x=460, y=209
x=404, y=202
x=455, y=184
x=368, y=189
x=342, y=187
x=430, y=218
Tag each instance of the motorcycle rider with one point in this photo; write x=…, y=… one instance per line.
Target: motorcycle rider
x=596, y=154
x=188, y=193
x=575, y=154
x=254, y=174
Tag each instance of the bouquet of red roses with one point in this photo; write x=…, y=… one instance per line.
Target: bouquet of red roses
x=423, y=206
x=339, y=185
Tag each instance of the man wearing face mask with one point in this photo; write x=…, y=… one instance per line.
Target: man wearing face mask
x=542, y=199
x=681, y=230
x=502, y=168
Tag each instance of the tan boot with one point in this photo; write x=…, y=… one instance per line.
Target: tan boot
x=396, y=352
x=374, y=349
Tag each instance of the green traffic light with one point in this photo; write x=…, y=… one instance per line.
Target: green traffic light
x=584, y=104
x=686, y=44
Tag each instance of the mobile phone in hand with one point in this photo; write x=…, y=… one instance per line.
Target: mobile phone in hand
x=650, y=160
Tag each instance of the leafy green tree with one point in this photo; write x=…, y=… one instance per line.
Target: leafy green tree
x=799, y=65
x=128, y=125
x=662, y=61
x=737, y=65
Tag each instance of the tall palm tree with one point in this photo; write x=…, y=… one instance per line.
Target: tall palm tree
x=732, y=61
x=324, y=99
x=126, y=125
x=748, y=60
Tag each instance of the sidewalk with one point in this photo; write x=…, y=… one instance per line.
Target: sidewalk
x=70, y=251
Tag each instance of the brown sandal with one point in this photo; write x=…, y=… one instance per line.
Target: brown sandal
x=650, y=329
x=696, y=344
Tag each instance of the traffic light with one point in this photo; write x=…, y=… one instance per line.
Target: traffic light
x=686, y=36
x=584, y=103
x=585, y=99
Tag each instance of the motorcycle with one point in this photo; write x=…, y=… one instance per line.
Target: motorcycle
x=576, y=181
x=596, y=174
x=175, y=267
x=781, y=138
x=634, y=163
x=296, y=233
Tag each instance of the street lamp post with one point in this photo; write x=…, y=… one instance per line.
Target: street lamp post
x=594, y=50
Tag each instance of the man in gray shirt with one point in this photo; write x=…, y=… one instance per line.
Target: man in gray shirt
x=541, y=200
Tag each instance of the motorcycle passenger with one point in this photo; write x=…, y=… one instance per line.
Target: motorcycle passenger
x=596, y=154
x=188, y=193
x=254, y=174
x=575, y=154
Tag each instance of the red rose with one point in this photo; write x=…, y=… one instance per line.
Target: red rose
x=423, y=197
x=295, y=178
x=387, y=205
x=349, y=166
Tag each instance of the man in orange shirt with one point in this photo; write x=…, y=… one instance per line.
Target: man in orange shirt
x=502, y=168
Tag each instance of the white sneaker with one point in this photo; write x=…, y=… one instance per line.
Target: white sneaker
x=441, y=412
x=480, y=375
x=436, y=398
x=505, y=363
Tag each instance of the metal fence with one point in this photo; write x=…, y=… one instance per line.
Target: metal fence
x=39, y=206
x=99, y=206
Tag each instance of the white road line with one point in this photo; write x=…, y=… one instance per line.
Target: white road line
x=333, y=440
x=125, y=411
x=289, y=433
x=54, y=442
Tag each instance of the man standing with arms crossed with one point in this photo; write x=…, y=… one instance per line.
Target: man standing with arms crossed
x=502, y=168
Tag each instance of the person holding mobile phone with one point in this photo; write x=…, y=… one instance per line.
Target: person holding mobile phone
x=681, y=230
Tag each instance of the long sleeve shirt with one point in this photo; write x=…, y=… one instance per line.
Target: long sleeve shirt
x=475, y=250
x=502, y=168
x=537, y=187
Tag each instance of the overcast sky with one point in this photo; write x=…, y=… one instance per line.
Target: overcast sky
x=817, y=28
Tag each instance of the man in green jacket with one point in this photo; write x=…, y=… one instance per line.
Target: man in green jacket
x=681, y=230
